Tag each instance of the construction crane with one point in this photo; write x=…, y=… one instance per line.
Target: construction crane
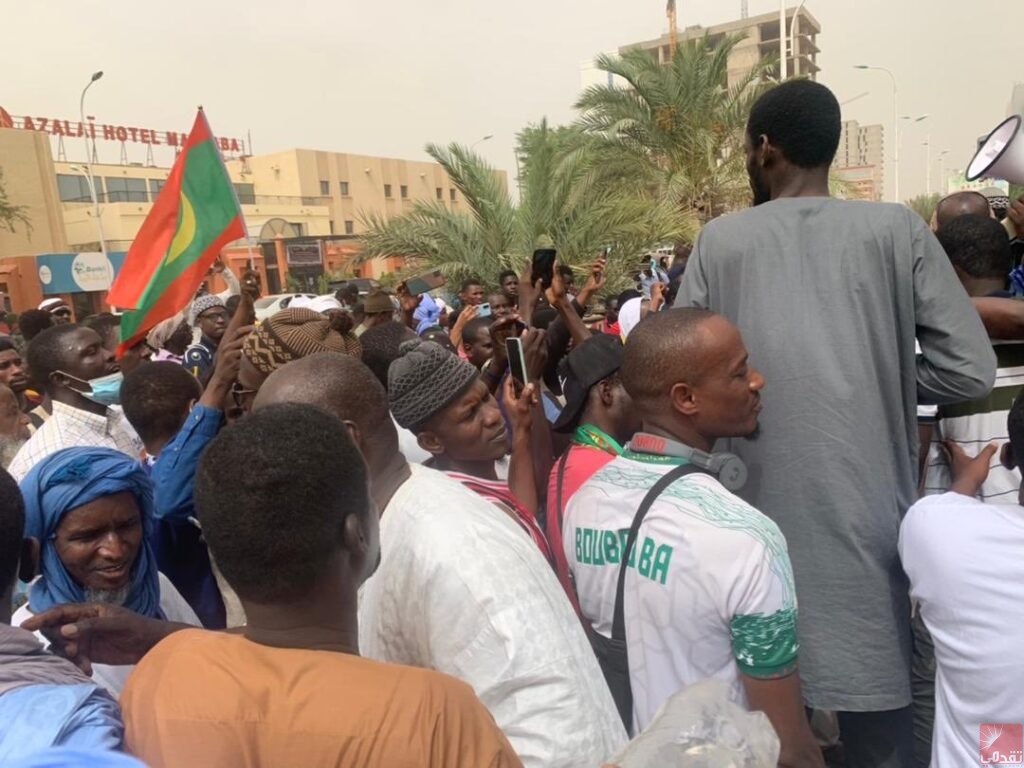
x=673, y=33
x=744, y=9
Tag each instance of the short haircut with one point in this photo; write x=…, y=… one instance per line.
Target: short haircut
x=966, y=201
x=32, y=322
x=802, y=119
x=103, y=323
x=628, y=294
x=470, y=281
x=978, y=246
x=273, y=533
x=566, y=271
x=231, y=305
x=155, y=397
x=662, y=351
x=46, y=353
x=7, y=344
x=506, y=274
x=474, y=328
x=1015, y=428
x=339, y=384
x=12, y=529
x=380, y=347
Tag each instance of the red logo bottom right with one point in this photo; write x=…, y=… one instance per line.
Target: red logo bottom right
x=1002, y=744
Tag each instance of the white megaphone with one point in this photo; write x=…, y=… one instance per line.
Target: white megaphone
x=1001, y=156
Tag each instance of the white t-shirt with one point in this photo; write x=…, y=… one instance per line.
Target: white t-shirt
x=409, y=446
x=964, y=559
x=461, y=590
x=113, y=678
x=709, y=591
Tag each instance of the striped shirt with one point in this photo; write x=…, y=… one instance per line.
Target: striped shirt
x=70, y=427
x=498, y=493
x=975, y=424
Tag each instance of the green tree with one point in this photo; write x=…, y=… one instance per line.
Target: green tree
x=925, y=205
x=11, y=214
x=677, y=129
x=565, y=203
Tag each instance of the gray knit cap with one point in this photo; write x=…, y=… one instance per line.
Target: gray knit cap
x=203, y=303
x=424, y=380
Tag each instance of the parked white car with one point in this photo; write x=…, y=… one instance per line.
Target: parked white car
x=271, y=305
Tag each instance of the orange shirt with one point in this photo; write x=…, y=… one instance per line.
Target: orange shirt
x=211, y=699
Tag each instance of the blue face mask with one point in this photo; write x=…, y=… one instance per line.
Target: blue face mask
x=105, y=390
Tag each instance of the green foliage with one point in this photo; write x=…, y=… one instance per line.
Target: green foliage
x=677, y=130
x=11, y=214
x=565, y=203
x=925, y=205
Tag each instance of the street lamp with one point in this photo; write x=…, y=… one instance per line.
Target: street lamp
x=90, y=180
x=942, y=171
x=485, y=138
x=792, y=35
x=895, y=126
x=927, y=153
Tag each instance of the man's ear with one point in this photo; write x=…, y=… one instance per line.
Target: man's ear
x=1006, y=457
x=430, y=442
x=767, y=154
x=355, y=433
x=605, y=392
x=683, y=399
x=28, y=563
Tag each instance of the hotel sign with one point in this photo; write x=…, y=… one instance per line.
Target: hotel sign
x=106, y=132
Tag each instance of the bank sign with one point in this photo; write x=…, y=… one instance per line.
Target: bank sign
x=77, y=272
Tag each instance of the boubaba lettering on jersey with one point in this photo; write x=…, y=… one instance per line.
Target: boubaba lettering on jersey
x=597, y=547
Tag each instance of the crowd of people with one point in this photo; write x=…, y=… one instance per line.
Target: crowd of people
x=348, y=535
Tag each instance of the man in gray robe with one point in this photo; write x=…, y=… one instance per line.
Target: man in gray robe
x=830, y=296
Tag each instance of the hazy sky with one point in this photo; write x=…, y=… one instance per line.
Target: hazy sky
x=384, y=78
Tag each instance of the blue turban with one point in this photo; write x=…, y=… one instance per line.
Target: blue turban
x=70, y=479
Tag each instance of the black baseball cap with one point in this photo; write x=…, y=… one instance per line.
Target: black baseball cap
x=594, y=360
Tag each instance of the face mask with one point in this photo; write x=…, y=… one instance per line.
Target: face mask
x=105, y=390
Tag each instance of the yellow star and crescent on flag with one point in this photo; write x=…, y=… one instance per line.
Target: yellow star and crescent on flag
x=186, y=232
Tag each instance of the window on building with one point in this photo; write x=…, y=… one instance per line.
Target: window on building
x=350, y=227
x=343, y=185
x=155, y=185
x=451, y=194
x=330, y=226
x=440, y=193
x=387, y=190
x=403, y=191
x=300, y=228
x=246, y=193
x=126, y=190
x=325, y=187
x=73, y=189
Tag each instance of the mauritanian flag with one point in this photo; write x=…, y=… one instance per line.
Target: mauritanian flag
x=195, y=215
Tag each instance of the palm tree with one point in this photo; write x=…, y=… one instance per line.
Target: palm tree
x=565, y=203
x=925, y=205
x=11, y=214
x=677, y=128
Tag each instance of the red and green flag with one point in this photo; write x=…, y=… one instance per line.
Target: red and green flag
x=195, y=215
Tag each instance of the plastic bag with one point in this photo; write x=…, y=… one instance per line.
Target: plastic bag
x=700, y=727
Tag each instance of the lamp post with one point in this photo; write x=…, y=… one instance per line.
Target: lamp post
x=792, y=35
x=488, y=137
x=928, y=152
x=88, y=171
x=895, y=127
x=942, y=171
x=783, y=66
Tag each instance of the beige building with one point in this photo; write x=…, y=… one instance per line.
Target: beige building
x=860, y=160
x=304, y=210
x=761, y=41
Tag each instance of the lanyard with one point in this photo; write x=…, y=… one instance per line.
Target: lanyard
x=592, y=437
